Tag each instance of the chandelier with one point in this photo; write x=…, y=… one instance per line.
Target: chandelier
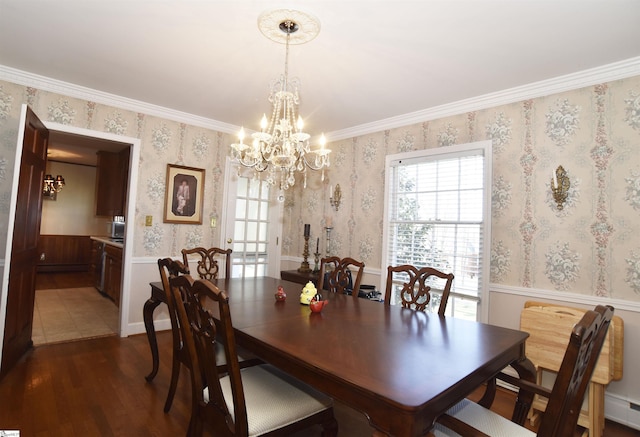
x=52, y=185
x=281, y=147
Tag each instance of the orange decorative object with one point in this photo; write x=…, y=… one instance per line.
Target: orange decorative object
x=317, y=305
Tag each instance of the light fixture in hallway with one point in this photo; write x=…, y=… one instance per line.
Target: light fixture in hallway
x=52, y=185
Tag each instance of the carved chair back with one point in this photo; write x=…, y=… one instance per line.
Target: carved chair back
x=208, y=261
x=336, y=275
x=417, y=284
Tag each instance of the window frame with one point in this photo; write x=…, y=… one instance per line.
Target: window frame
x=478, y=147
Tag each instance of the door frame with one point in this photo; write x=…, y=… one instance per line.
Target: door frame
x=135, y=144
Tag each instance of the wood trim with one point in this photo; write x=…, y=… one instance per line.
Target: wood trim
x=64, y=253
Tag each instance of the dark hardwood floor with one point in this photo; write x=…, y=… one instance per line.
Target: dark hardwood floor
x=97, y=387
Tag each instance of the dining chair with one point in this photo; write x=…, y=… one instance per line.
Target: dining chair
x=417, y=285
x=170, y=268
x=548, y=326
x=208, y=261
x=253, y=401
x=336, y=275
x=564, y=400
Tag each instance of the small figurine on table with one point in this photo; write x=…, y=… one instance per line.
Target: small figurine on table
x=308, y=293
x=280, y=294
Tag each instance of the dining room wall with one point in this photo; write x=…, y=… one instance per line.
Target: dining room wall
x=588, y=247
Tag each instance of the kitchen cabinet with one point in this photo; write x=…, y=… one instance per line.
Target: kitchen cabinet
x=112, y=178
x=113, y=272
x=95, y=265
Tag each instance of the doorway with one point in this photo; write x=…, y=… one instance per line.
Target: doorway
x=252, y=225
x=76, y=145
x=69, y=303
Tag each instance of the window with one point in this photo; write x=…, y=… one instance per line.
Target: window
x=437, y=212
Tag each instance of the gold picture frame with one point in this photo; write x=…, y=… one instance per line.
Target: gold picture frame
x=184, y=195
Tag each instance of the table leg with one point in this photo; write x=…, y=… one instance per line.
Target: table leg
x=149, y=306
x=489, y=394
x=526, y=371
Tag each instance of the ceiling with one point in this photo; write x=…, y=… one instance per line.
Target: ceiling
x=372, y=60
x=78, y=149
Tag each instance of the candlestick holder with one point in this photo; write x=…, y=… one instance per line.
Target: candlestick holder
x=304, y=266
x=328, y=229
x=316, y=267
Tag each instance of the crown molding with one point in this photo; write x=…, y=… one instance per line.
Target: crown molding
x=605, y=73
x=68, y=89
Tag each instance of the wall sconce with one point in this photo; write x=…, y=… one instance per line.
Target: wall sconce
x=52, y=185
x=335, y=196
x=560, y=185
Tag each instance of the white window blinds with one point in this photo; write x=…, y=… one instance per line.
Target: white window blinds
x=436, y=211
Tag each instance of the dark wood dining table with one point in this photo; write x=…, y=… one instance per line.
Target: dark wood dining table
x=401, y=368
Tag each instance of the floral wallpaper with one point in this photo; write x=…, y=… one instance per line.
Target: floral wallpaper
x=588, y=247
x=162, y=142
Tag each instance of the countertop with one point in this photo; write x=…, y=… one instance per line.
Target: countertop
x=107, y=240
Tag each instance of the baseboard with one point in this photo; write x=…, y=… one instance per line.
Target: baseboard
x=138, y=328
x=62, y=268
x=622, y=411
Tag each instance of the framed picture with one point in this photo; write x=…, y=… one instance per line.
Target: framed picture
x=184, y=195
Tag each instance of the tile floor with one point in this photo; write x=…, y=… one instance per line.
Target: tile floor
x=73, y=313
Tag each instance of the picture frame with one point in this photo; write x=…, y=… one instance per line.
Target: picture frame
x=184, y=195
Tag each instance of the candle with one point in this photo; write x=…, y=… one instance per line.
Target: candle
x=317, y=244
x=555, y=180
x=307, y=230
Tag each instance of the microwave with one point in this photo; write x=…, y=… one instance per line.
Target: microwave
x=116, y=229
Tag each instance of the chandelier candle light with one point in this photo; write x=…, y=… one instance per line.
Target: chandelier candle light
x=281, y=147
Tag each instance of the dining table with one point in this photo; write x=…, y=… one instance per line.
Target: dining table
x=401, y=368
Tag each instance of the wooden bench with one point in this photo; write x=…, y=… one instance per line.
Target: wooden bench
x=549, y=327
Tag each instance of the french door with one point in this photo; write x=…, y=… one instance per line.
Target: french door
x=252, y=224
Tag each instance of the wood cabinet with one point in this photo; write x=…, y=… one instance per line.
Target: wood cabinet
x=64, y=253
x=113, y=272
x=112, y=177
x=95, y=264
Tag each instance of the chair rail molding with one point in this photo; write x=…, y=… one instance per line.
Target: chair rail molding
x=563, y=296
